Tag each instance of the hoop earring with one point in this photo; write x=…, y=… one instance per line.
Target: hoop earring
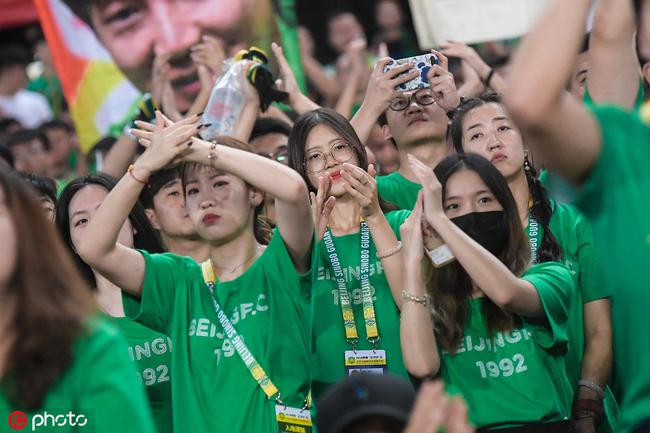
x=527, y=165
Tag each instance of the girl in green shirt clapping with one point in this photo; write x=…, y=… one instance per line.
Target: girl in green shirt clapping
x=492, y=327
x=356, y=266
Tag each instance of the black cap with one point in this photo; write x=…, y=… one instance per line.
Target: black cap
x=364, y=396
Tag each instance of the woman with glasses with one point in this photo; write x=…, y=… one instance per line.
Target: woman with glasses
x=355, y=324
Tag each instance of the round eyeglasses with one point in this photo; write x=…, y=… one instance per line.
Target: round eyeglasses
x=423, y=97
x=316, y=161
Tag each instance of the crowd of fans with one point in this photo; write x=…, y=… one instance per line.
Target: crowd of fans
x=357, y=259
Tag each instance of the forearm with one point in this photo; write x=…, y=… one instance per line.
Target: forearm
x=120, y=156
x=348, y=96
x=419, y=348
x=316, y=74
x=386, y=241
x=201, y=101
x=246, y=122
x=364, y=120
x=262, y=173
x=490, y=275
x=597, y=357
x=536, y=84
x=302, y=104
x=614, y=76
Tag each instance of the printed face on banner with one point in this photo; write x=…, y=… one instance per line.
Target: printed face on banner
x=135, y=31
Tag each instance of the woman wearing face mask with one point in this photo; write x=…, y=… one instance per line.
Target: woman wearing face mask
x=494, y=329
x=357, y=261
x=239, y=321
x=55, y=357
x=150, y=350
x=558, y=232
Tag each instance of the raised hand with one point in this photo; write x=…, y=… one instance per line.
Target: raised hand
x=287, y=81
x=209, y=52
x=382, y=87
x=321, y=206
x=362, y=187
x=431, y=190
x=167, y=143
x=433, y=410
x=159, y=76
x=411, y=234
x=442, y=84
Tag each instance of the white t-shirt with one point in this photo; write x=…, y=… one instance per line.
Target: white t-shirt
x=31, y=109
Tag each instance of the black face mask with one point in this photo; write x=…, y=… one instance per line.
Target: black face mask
x=487, y=228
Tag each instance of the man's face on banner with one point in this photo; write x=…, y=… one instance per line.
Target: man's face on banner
x=135, y=31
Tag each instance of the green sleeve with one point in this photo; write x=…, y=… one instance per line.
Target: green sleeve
x=396, y=218
x=554, y=283
x=109, y=392
x=591, y=278
x=617, y=167
x=164, y=276
x=282, y=264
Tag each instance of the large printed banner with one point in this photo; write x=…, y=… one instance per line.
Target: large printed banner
x=104, y=50
x=473, y=21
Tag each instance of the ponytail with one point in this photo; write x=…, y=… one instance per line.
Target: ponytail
x=542, y=211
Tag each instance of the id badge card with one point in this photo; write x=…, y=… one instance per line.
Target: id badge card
x=365, y=361
x=293, y=420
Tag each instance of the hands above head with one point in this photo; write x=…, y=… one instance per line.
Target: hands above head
x=382, y=87
x=473, y=60
x=362, y=186
x=287, y=82
x=443, y=86
x=210, y=53
x=166, y=142
x=321, y=206
x=160, y=77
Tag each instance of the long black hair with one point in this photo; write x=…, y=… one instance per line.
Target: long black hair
x=451, y=286
x=145, y=237
x=341, y=127
x=541, y=208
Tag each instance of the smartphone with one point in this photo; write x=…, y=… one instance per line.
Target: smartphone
x=423, y=63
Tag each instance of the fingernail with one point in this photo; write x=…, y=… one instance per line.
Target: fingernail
x=204, y=125
x=199, y=114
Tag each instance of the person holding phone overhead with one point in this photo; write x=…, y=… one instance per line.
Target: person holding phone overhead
x=416, y=120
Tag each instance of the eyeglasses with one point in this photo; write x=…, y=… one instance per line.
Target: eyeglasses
x=316, y=161
x=422, y=97
x=280, y=155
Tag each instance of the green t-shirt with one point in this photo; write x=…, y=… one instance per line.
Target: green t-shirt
x=615, y=200
x=212, y=390
x=328, y=333
x=510, y=378
x=398, y=190
x=151, y=353
x=574, y=234
x=99, y=388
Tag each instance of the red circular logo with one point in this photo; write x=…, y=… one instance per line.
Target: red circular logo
x=17, y=420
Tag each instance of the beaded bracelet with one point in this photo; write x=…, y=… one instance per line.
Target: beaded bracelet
x=424, y=301
x=386, y=254
x=212, y=155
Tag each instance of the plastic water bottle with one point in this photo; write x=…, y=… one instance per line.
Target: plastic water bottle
x=225, y=104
